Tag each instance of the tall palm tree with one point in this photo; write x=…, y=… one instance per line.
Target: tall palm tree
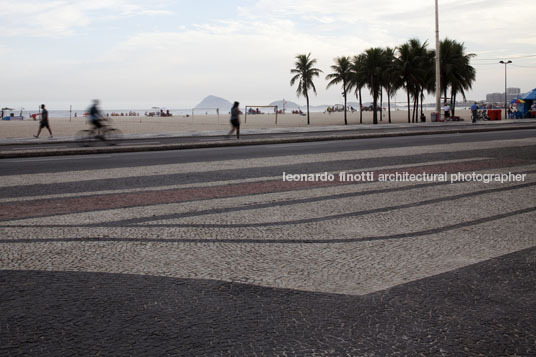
x=341, y=74
x=428, y=84
x=371, y=71
x=413, y=66
x=390, y=77
x=456, y=71
x=304, y=72
x=422, y=54
x=357, y=82
x=407, y=65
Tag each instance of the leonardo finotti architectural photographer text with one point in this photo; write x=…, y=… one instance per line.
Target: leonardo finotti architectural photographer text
x=370, y=176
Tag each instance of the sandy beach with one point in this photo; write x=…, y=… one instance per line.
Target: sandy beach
x=154, y=125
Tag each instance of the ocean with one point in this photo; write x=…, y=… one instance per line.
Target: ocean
x=80, y=112
x=176, y=112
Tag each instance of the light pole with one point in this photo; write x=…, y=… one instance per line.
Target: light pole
x=438, y=67
x=437, y=64
x=505, y=97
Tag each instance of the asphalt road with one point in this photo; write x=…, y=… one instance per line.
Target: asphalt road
x=158, y=142
x=212, y=252
x=17, y=166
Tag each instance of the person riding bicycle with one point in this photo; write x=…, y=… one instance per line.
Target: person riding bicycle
x=99, y=129
x=95, y=116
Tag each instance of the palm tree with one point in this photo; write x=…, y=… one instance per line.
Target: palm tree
x=341, y=74
x=357, y=82
x=371, y=71
x=304, y=72
x=406, y=68
x=456, y=72
x=390, y=77
x=413, y=66
x=428, y=76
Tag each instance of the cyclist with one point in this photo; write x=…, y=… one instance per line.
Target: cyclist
x=100, y=129
x=95, y=117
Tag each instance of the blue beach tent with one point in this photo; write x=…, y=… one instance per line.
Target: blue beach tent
x=529, y=96
x=529, y=99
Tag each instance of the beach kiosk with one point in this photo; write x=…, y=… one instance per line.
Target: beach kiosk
x=525, y=103
x=10, y=115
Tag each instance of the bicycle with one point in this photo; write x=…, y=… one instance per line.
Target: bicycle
x=105, y=134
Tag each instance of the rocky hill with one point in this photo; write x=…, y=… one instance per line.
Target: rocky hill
x=214, y=102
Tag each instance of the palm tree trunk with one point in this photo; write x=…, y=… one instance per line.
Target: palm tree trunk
x=307, y=98
x=389, y=105
x=415, y=107
x=345, y=121
x=445, y=98
x=422, y=99
x=381, y=104
x=375, y=106
x=409, y=107
x=416, y=112
x=360, y=108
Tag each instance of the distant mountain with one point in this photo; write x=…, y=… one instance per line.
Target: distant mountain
x=214, y=102
x=288, y=105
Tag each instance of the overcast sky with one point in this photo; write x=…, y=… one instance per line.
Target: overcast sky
x=135, y=54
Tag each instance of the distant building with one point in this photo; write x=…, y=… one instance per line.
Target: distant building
x=514, y=91
x=511, y=93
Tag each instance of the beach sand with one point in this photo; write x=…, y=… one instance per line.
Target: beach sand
x=155, y=125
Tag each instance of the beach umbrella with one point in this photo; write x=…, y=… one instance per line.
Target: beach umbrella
x=517, y=100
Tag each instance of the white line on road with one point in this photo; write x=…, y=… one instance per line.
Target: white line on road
x=77, y=157
x=138, y=142
x=41, y=147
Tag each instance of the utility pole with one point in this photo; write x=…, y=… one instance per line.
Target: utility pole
x=505, y=96
x=437, y=64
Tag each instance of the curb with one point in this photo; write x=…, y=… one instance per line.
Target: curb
x=249, y=142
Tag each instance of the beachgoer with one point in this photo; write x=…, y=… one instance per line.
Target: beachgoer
x=43, y=123
x=235, y=120
x=474, y=109
x=447, y=111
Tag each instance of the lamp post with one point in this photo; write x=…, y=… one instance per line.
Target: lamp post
x=437, y=64
x=505, y=96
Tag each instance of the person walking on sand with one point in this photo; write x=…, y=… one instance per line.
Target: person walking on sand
x=43, y=123
x=235, y=120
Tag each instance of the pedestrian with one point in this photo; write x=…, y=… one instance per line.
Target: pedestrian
x=235, y=120
x=43, y=123
x=474, y=109
x=447, y=111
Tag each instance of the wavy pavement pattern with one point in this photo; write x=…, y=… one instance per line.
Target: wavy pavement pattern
x=259, y=265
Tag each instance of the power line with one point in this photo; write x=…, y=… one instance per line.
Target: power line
x=485, y=64
x=502, y=58
x=516, y=65
x=494, y=64
x=522, y=57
